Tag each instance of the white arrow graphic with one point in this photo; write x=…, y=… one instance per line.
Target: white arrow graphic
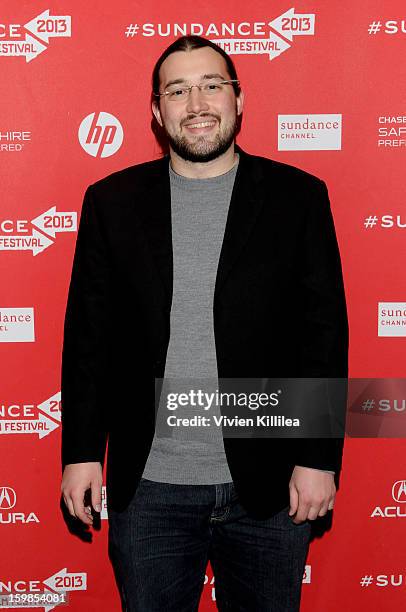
x=51, y=222
x=67, y=577
x=279, y=47
x=44, y=242
x=37, y=46
x=45, y=25
x=49, y=406
x=292, y=24
x=48, y=426
x=35, y=242
x=42, y=426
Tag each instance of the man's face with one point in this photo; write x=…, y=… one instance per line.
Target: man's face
x=200, y=128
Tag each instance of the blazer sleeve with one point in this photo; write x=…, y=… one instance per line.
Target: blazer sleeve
x=324, y=343
x=84, y=352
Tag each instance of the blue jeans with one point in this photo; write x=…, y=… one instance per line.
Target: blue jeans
x=160, y=545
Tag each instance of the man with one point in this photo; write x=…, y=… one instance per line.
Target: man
x=208, y=262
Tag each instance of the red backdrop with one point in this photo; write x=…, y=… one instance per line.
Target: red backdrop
x=65, y=64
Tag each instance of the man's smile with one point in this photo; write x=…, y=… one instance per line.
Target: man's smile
x=200, y=126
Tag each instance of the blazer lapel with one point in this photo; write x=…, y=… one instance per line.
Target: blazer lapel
x=157, y=223
x=245, y=206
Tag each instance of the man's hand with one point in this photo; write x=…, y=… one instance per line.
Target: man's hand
x=312, y=493
x=76, y=479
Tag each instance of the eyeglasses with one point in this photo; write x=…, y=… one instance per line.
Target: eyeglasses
x=180, y=93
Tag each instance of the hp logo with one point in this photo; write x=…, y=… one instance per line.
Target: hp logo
x=100, y=134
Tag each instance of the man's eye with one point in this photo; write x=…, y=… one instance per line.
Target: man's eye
x=213, y=86
x=178, y=92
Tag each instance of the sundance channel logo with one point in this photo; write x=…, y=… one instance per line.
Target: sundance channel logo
x=17, y=325
x=309, y=132
x=392, y=319
x=269, y=38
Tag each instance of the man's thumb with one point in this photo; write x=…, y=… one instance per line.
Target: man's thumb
x=96, y=496
x=294, y=499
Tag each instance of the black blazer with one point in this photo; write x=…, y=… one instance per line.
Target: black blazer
x=279, y=311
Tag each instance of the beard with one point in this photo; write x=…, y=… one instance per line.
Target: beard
x=201, y=149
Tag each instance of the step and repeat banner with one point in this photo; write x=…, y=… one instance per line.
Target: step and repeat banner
x=325, y=89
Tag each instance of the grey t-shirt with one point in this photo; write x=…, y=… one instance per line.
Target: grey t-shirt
x=199, y=214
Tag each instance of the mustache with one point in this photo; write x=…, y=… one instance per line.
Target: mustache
x=201, y=116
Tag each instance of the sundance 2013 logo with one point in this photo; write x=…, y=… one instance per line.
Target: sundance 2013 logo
x=237, y=38
x=28, y=40
x=39, y=419
x=18, y=235
x=41, y=593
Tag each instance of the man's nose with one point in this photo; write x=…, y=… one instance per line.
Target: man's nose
x=196, y=101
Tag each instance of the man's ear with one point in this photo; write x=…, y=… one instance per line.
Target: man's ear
x=240, y=102
x=157, y=112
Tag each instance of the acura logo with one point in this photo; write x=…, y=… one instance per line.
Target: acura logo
x=399, y=491
x=8, y=498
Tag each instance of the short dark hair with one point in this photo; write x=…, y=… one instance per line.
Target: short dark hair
x=188, y=43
